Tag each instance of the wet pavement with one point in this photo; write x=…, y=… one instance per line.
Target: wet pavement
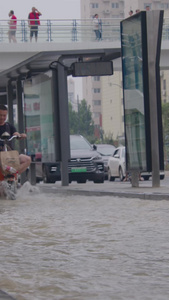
x=116, y=188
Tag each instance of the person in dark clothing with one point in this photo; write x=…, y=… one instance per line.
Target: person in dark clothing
x=9, y=128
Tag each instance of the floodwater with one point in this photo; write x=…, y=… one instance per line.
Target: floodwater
x=83, y=248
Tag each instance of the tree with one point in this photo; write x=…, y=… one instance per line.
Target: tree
x=86, y=124
x=73, y=121
x=165, y=117
x=81, y=121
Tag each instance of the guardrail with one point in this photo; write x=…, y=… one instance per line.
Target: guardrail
x=68, y=30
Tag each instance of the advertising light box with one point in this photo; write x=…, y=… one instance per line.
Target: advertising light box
x=136, y=94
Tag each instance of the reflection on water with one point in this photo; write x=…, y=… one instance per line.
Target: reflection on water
x=74, y=247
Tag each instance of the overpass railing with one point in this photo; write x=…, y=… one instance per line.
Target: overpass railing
x=69, y=30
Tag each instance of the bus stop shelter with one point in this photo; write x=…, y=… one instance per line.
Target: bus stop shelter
x=61, y=65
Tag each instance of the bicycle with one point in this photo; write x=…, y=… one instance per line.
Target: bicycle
x=8, y=174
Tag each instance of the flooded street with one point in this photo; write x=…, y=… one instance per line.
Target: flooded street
x=84, y=248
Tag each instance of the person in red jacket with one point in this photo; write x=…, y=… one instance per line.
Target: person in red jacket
x=34, y=23
x=12, y=27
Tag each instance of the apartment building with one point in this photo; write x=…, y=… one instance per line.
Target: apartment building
x=71, y=92
x=112, y=106
x=103, y=93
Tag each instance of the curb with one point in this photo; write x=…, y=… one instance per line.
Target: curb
x=66, y=191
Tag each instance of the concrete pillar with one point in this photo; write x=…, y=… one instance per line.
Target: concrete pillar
x=135, y=178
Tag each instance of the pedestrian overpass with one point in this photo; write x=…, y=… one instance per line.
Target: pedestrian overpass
x=58, y=36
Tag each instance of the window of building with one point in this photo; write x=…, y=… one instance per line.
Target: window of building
x=164, y=5
x=96, y=102
x=121, y=15
x=164, y=84
x=157, y=6
x=96, y=78
x=115, y=5
x=96, y=90
x=96, y=115
x=94, y=5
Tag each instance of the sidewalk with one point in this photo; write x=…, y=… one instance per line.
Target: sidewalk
x=116, y=188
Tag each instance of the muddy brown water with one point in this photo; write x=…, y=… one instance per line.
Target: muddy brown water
x=56, y=246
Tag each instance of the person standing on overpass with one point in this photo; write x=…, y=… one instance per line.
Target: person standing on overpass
x=34, y=22
x=12, y=27
x=96, y=27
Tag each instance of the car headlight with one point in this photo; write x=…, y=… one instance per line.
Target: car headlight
x=98, y=157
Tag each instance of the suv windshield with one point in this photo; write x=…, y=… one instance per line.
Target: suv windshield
x=78, y=142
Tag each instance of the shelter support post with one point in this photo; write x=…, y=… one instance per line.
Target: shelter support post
x=135, y=178
x=61, y=129
x=153, y=18
x=32, y=173
x=19, y=91
x=64, y=123
x=10, y=102
x=56, y=116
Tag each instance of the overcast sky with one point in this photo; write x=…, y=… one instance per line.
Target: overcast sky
x=50, y=9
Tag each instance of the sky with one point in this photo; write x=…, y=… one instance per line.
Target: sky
x=50, y=9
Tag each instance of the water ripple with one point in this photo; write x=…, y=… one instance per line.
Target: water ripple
x=71, y=247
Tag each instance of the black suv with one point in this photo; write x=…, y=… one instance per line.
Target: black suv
x=85, y=164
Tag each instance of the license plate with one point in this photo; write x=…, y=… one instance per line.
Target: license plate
x=78, y=170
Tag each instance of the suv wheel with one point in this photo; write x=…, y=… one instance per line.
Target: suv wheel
x=146, y=177
x=110, y=178
x=99, y=180
x=81, y=181
x=46, y=179
x=121, y=176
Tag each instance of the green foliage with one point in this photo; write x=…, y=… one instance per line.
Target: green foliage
x=81, y=121
x=73, y=120
x=104, y=139
x=165, y=117
x=108, y=139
